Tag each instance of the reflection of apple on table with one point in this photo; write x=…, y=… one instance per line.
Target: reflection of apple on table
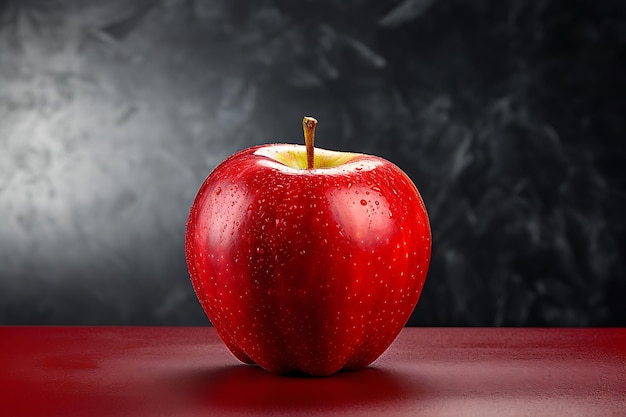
x=306, y=259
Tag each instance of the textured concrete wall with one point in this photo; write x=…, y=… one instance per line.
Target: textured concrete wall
x=509, y=117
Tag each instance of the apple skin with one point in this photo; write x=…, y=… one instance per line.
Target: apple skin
x=307, y=270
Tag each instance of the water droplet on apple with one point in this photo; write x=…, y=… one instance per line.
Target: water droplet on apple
x=358, y=168
x=260, y=251
x=218, y=191
x=363, y=202
x=376, y=202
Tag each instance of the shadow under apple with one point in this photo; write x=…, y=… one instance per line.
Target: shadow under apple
x=248, y=388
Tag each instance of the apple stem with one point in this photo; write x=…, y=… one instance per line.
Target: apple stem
x=308, y=125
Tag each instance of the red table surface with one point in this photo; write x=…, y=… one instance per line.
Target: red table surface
x=187, y=371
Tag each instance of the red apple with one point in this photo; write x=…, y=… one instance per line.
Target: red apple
x=307, y=260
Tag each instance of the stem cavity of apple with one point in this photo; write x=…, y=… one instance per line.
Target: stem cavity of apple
x=308, y=125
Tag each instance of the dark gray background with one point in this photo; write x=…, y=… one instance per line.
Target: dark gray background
x=508, y=115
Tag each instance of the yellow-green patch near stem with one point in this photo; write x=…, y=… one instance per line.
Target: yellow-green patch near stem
x=297, y=158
